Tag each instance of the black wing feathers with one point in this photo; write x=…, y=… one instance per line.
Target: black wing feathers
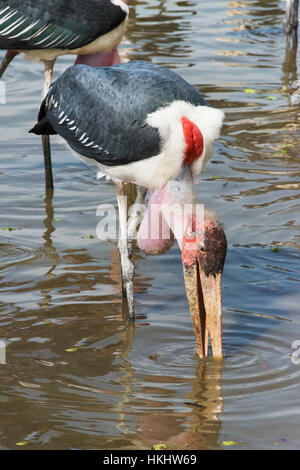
x=101, y=112
x=43, y=126
x=63, y=24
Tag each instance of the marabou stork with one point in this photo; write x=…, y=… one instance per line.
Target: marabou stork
x=144, y=124
x=47, y=29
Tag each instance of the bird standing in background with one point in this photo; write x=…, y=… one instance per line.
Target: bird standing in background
x=144, y=124
x=46, y=29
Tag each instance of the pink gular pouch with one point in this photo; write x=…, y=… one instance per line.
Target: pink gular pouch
x=172, y=213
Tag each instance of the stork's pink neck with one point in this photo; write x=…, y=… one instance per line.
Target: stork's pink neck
x=170, y=210
x=103, y=59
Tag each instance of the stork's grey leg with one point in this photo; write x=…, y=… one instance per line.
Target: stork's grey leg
x=48, y=74
x=127, y=238
x=49, y=64
x=127, y=267
x=134, y=218
x=9, y=56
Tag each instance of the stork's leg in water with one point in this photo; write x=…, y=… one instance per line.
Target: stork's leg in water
x=135, y=214
x=132, y=198
x=49, y=64
x=127, y=268
x=9, y=56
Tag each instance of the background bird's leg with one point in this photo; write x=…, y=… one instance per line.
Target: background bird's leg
x=49, y=64
x=124, y=194
x=9, y=56
x=290, y=24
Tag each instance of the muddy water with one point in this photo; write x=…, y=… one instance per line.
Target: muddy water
x=78, y=375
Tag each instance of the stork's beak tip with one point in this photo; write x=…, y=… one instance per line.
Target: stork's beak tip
x=205, y=303
x=203, y=278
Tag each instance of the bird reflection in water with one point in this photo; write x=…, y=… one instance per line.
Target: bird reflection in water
x=192, y=423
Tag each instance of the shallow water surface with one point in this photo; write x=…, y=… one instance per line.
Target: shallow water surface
x=78, y=375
